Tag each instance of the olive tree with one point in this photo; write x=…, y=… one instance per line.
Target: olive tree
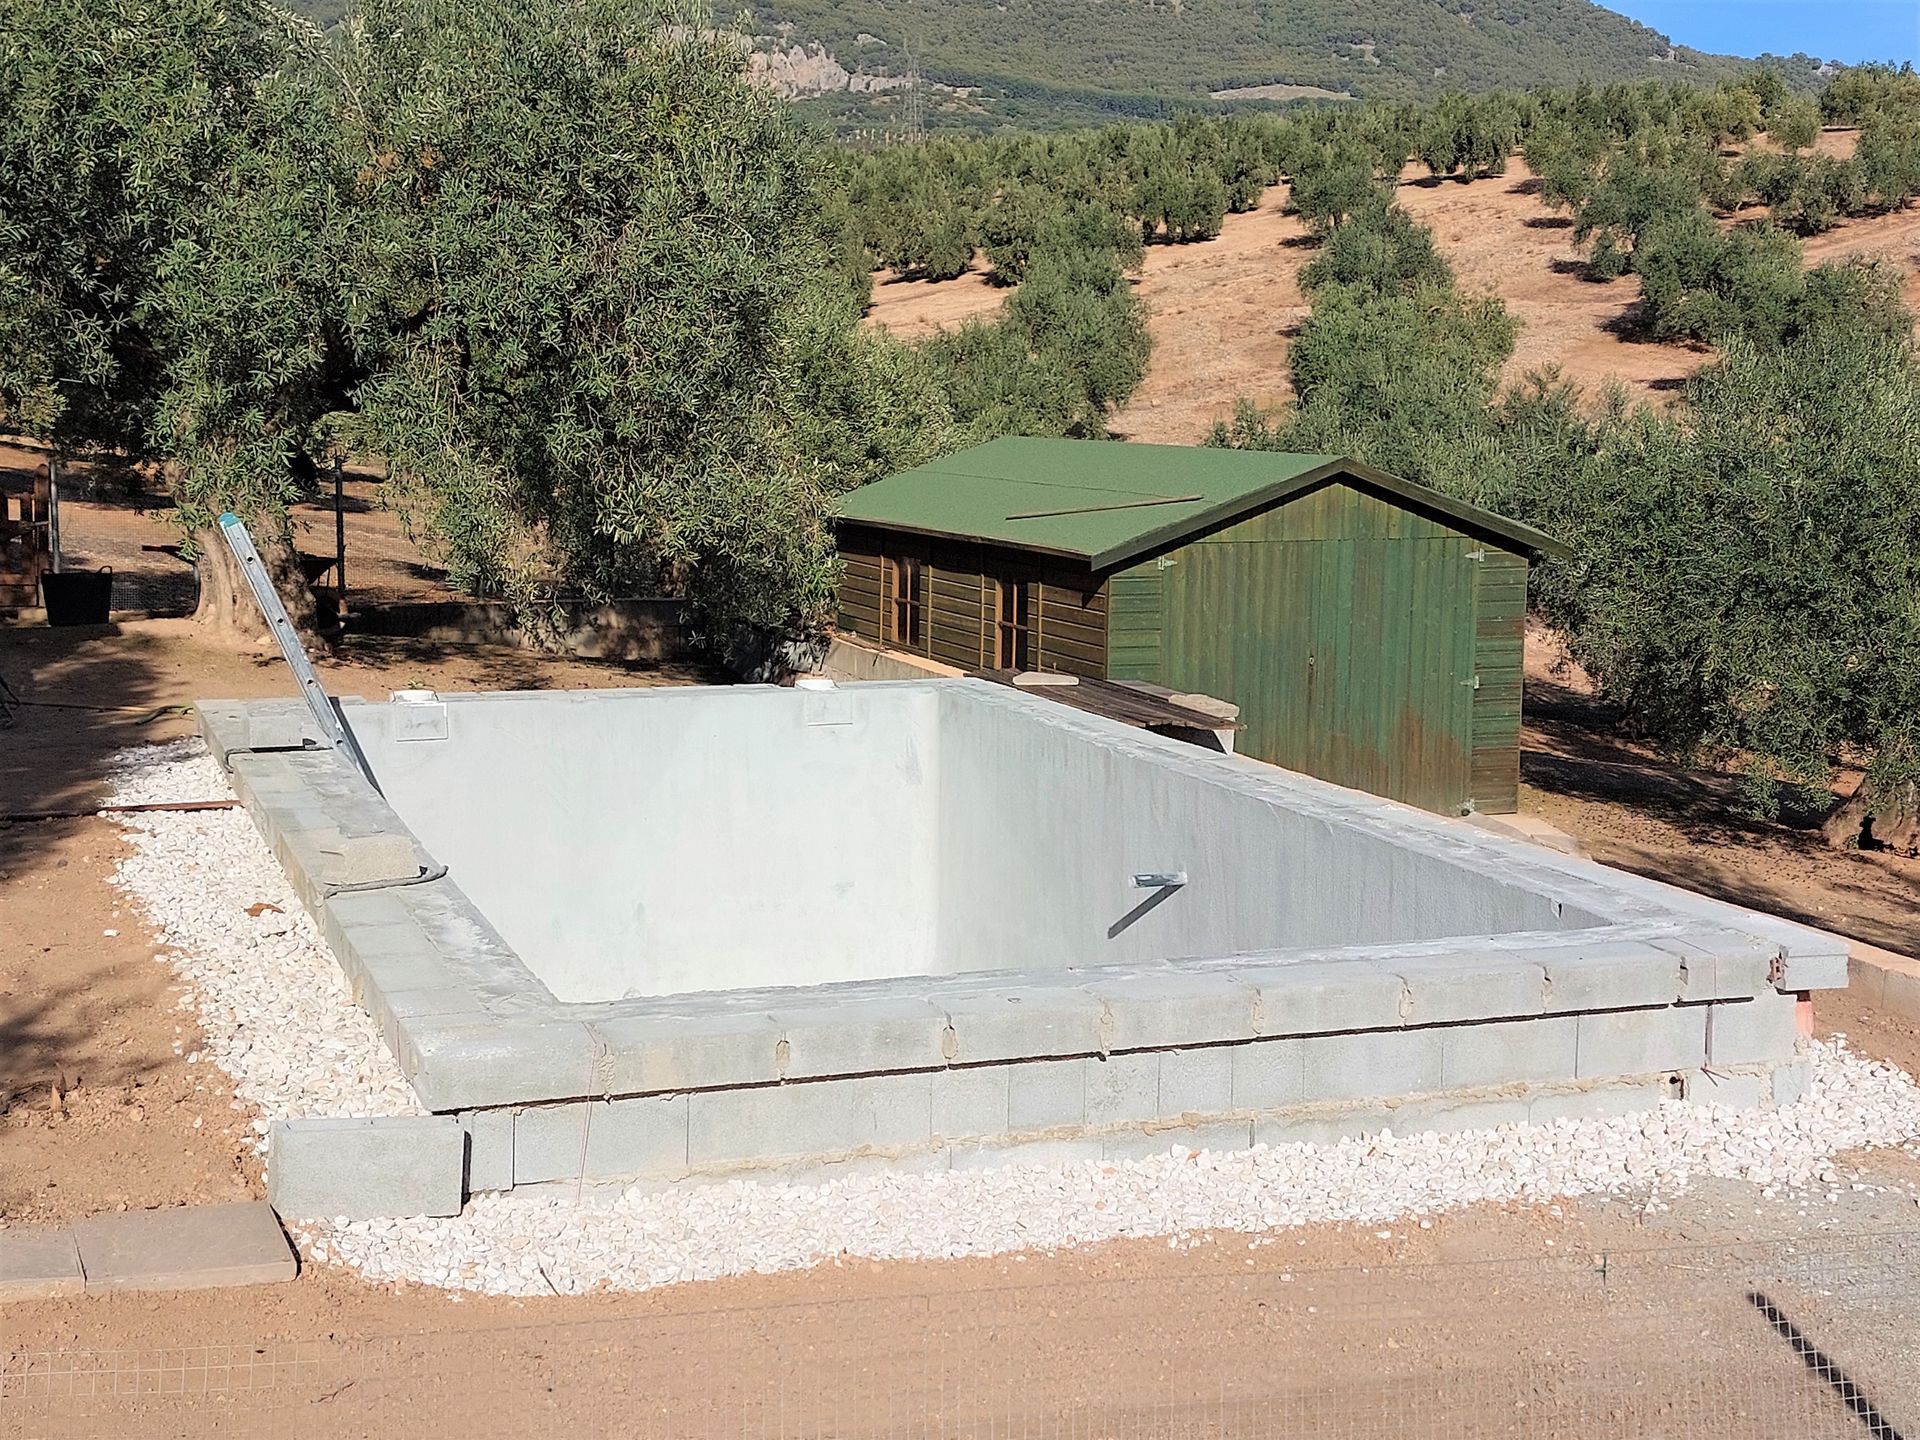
x=166, y=252
x=557, y=261
x=1746, y=571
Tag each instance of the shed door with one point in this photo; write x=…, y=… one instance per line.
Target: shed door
x=1350, y=659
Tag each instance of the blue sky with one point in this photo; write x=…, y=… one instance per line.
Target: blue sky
x=1845, y=30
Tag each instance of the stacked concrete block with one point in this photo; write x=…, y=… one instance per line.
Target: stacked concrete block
x=362, y=1168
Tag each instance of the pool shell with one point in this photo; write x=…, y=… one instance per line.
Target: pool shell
x=1624, y=993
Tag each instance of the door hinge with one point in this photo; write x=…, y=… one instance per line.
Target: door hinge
x=1476, y=554
x=1165, y=562
x=1473, y=684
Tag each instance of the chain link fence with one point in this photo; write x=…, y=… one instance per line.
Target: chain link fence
x=1767, y=1341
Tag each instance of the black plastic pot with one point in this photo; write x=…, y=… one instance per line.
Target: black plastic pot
x=78, y=597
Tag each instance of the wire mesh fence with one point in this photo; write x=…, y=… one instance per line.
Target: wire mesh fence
x=1788, y=1341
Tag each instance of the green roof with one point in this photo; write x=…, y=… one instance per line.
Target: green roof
x=1108, y=502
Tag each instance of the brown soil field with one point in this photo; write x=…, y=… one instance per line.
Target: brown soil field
x=1222, y=310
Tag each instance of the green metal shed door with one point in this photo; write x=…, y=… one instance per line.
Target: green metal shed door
x=1350, y=659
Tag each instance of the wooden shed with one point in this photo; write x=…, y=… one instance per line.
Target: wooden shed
x=1368, y=628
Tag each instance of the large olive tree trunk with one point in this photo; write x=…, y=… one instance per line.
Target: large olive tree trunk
x=1883, y=820
x=227, y=610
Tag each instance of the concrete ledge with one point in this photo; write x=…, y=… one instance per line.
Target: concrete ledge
x=849, y=658
x=194, y=1247
x=1439, y=1111
x=1295, y=1088
x=39, y=1265
x=1884, y=980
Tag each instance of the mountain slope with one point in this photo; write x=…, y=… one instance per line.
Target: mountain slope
x=1139, y=56
x=1049, y=63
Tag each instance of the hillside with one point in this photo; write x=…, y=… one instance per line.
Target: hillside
x=1222, y=311
x=1061, y=61
x=1042, y=64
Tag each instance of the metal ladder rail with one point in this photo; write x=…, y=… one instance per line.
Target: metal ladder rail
x=325, y=713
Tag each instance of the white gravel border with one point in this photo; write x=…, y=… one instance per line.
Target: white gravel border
x=278, y=1019
x=274, y=1009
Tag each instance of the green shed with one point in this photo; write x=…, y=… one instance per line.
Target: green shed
x=1368, y=628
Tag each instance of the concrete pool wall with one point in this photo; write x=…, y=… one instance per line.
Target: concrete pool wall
x=691, y=933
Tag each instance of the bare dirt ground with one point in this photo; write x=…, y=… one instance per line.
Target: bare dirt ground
x=93, y=1008
x=1222, y=310
x=84, y=1008
x=1638, y=811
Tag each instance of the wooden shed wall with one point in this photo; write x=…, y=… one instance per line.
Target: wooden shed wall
x=1500, y=620
x=1067, y=615
x=1349, y=629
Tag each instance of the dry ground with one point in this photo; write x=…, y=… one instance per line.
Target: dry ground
x=1222, y=310
x=92, y=1009
x=126, y=523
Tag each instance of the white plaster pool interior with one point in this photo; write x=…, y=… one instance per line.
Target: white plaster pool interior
x=660, y=841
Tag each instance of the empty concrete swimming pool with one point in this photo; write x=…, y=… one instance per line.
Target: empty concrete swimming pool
x=664, y=935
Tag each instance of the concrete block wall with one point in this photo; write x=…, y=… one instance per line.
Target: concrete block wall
x=1269, y=1090
x=1627, y=994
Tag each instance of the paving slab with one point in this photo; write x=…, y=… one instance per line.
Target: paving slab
x=39, y=1265
x=193, y=1247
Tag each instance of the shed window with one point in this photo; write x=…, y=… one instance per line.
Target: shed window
x=1012, y=599
x=905, y=584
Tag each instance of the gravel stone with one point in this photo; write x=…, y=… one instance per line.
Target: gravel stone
x=273, y=1006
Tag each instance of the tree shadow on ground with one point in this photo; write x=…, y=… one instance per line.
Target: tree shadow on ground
x=1577, y=749
x=84, y=691
x=500, y=667
x=42, y=1033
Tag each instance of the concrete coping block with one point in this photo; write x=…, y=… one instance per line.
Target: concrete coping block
x=367, y=1169
x=862, y=1037
x=1613, y=975
x=1444, y=989
x=222, y=724
x=1720, y=965
x=1308, y=996
x=1161, y=1008
x=279, y=732
x=193, y=1247
x=228, y=726
x=1807, y=970
x=659, y=1053
x=39, y=1265
x=368, y=859
x=372, y=909
x=1012, y=1022
x=456, y=1064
